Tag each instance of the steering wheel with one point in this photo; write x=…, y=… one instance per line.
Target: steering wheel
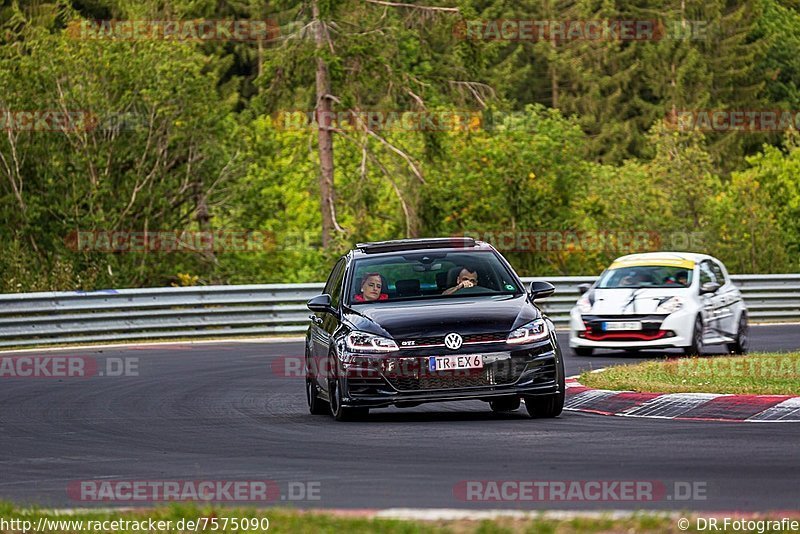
x=473, y=289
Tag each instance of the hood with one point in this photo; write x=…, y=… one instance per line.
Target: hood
x=618, y=301
x=438, y=317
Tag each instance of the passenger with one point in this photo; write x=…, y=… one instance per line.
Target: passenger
x=466, y=278
x=371, y=288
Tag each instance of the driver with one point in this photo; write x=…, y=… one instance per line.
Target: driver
x=466, y=278
x=629, y=279
x=371, y=288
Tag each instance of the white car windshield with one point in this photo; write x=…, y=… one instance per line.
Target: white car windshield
x=646, y=276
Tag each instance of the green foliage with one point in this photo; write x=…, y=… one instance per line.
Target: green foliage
x=522, y=177
x=151, y=148
x=759, y=215
x=187, y=138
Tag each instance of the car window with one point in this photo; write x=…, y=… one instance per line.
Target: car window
x=717, y=270
x=429, y=274
x=706, y=274
x=646, y=276
x=333, y=287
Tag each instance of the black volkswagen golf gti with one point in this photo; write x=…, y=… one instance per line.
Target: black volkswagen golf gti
x=406, y=322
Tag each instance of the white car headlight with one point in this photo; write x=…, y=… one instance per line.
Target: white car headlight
x=670, y=305
x=365, y=342
x=533, y=331
x=584, y=306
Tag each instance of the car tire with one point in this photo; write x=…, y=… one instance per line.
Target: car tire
x=544, y=406
x=547, y=406
x=505, y=404
x=339, y=412
x=742, y=342
x=582, y=351
x=316, y=405
x=696, y=348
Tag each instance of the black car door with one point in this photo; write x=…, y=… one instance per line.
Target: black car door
x=325, y=324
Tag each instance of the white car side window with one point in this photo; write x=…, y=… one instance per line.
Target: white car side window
x=706, y=275
x=718, y=273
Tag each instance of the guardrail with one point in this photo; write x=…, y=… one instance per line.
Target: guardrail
x=257, y=310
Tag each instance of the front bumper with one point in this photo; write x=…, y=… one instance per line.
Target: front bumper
x=528, y=370
x=659, y=331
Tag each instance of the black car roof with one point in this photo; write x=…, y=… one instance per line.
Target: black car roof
x=381, y=247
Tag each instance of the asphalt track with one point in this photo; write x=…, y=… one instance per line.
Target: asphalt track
x=221, y=412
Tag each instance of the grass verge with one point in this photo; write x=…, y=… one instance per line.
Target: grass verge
x=754, y=374
x=287, y=520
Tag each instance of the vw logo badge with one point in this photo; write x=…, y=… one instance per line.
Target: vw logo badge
x=453, y=341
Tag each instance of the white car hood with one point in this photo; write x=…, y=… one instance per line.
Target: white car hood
x=618, y=301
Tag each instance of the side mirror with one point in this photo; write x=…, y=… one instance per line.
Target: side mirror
x=583, y=288
x=321, y=303
x=709, y=287
x=540, y=289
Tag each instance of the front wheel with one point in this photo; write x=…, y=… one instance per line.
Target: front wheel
x=696, y=348
x=339, y=412
x=742, y=341
x=316, y=405
x=546, y=406
x=583, y=351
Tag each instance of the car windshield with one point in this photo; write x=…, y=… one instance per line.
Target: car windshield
x=646, y=276
x=429, y=275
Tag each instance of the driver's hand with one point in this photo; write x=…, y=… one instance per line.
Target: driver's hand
x=467, y=283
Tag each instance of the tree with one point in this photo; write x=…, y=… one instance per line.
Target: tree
x=746, y=234
x=509, y=184
x=684, y=168
x=774, y=209
x=152, y=151
x=369, y=56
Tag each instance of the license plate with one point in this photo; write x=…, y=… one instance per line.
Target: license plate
x=623, y=325
x=455, y=363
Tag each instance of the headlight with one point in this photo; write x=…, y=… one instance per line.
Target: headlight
x=533, y=331
x=670, y=305
x=584, y=306
x=364, y=342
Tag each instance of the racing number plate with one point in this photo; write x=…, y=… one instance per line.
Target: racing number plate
x=624, y=325
x=455, y=363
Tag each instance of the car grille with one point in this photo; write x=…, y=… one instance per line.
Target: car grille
x=651, y=325
x=439, y=340
x=651, y=328
x=425, y=341
x=484, y=338
x=542, y=371
x=649, y=322
x=503, y=372
x=366, y=386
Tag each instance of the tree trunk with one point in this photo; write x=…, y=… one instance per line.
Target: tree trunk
x=203, y=217
x=554, y=74
x=325, y=135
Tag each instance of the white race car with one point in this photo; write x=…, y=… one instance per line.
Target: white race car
x=660, y=300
